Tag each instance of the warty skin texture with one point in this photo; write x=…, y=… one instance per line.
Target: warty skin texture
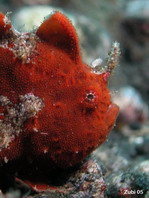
x=76, y=113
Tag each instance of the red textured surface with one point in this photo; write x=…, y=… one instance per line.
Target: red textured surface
x=4, y=27
x=70, y=126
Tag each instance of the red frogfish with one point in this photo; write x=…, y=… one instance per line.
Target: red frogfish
x=54, y=109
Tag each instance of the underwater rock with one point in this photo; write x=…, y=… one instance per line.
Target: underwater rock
x=132, y=183
x=133, y=110
x=111, y=158
x=124, y=185
x=86, y=182
x=124, y=160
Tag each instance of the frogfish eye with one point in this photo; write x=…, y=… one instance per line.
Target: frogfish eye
x=90, y=96
x=89, y=99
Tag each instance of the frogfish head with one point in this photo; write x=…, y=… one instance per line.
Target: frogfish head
x=78, y=113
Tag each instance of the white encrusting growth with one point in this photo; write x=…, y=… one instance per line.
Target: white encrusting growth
x=97, y=63
x=97, y=66
x=22, y=44
x=15, y=116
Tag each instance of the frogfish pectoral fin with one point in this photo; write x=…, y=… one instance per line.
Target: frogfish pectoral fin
x=35, y=186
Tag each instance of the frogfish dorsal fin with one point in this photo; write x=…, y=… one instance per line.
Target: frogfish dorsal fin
x=58, y=31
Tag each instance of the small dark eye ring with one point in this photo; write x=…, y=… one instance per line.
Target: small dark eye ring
x=90, y=96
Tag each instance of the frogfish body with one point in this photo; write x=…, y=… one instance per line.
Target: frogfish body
x=54, y=109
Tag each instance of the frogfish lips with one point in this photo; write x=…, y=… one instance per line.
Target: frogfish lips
x=111, y=115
